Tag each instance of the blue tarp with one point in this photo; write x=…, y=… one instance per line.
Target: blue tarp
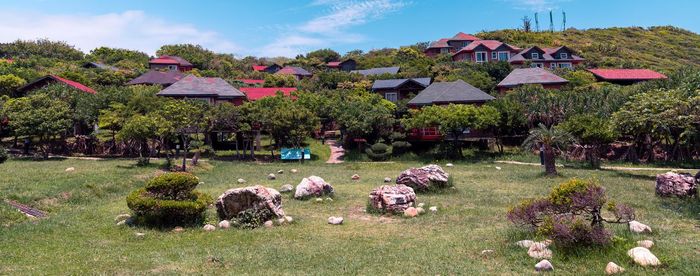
x=294, y=154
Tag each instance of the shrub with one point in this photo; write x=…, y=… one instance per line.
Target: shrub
x=169, y=199
x=3, y=155
x=572, y=214
x=378, y=152
x=400, y=147
x=252, y=218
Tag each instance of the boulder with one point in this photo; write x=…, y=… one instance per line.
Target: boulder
x=524, y=243
x=645, y=243
x=286, y=188
x=313, y=186
x=224, y=224
x=387, y=179
x=643, y=257
x=392, y=198
x=355, y=177
x=544, y=265
x=638, y=227
x=232, y=202
x=675, y=184
x=209, y=228
x=410, y=212
x=539, y=251
x=424, y=178
x=613, y=268
x=271, y=176
x=335, y=220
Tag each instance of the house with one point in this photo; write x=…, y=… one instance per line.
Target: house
x=378, y=71
x=298, y=72
x=626, y=76
x=559, y=57
x=256, y=93
x=267, y=69
x=251, y=82
x=481, y=51
x=152, y=77
x=449, y=45
x=346, y=65
x=171, y=63
x=100, y=66
x=395, y=90
x=455, y=92
x=522, y=76
x=51, y=79
x=211, y=90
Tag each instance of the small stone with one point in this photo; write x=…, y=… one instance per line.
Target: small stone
x=420, y=210
x=638, y=227
x=286, y=188
x=498, y=168
x=281, y=221
x=293, y=171
x=70, y=169
x=122, y=217
x=140, y=234
x=280, y=172
x=271, y=176
x=387, y=179
x=335, y=220
x=178, y=229
x=486, y=252
x=328, y=199
x=241, y=181
x=524, y=243
x=645, y=243
x=209, y=228
x=355, y=177
x=433, y=209
x=319, y=200
x=539, y=251
x=420, y=204
x=268, y=224
x=121, y=222
x=224, y=224
x=449, y=165
x=410, y=212
x=643, y=257
x=547, y=242
x=613, y=268
x=288, y=219
x=544, y=265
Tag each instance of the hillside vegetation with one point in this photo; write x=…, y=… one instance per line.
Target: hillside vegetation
x=661, y=48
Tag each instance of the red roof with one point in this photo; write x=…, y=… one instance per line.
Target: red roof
x=252, y=81
x=170, y=60
x=74, y=84
x=442, y=43
x=256, y=93
x=259, y=67
x=334, y=63
x=463, y=36
x=627, y=74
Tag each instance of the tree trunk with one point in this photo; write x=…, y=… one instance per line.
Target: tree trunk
x=184, y=156
x=550, y=167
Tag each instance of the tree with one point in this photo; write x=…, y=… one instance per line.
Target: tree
x=195, y=54
x=323, y=55
x=453, y=120
x=181, y=119
x=115, y=55
x=549, y=138
x=112, y=119
x=592, y=132
x=361, y=114
x=40, y=116
x=511, y=122
x=9, y=84
x=139, y=129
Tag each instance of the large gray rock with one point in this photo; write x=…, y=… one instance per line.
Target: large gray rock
x=313, y=186
x=676, y=184
x=234, y=201
x=424, y=178
x=392, y=198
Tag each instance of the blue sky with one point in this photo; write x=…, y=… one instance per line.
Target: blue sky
x=289, y=27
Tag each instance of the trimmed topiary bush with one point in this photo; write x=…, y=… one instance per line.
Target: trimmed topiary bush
x=169, y=199
x=400, y=147
x=378, y=152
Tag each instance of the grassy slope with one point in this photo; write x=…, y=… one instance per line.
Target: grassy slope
x=80, y=236
x=661, y=48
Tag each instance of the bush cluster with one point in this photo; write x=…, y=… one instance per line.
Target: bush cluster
x=572, y=214
x=378, y=152
x=252, y=218
x=400, y=147
x=169, y=199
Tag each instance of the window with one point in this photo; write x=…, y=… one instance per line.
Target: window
x=494, y=56
x=536, y=65
x=553, y=65
x=504, y=56
x=564, y=55
x=535, y=55
x=480, y=57
x=391, y=96
x=172, y=67
x=565, y=65
x=444, y=50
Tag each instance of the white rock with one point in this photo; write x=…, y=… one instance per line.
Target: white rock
x=420, y=205
x=410, y=212
x=271, y=176
x=140, y=235
x=178, y=229
x=241, y=181
x=224, y=224
x=638, y=227
x=268, y=224
x=319, y=200
x=524, y=243
x=70, y=169
x=387, y=179
x=544, y=265
x=281, y=221
x=433, y=209
x=280, y=172
x=643, y=257
x=209, y=228
x=121, y=222
x=288, y=219
x=329, y=199
x=486, y=252
x=449, y=165
x=498, y=168
x=335, y=220
x=613, y=268
x=645, y=243
x=293, y=171
x=355, y=177
x=122, y=217
x=539, y=251
x=420, y=210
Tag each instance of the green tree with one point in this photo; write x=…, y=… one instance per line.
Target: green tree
x=195, y=54
x=511, y=122
x=549, y=139
x=113, y=56
x=39, y=116
x=323, y=55
x=592, y=132
x=182, y=119
x=10, y=83
x=139, y=129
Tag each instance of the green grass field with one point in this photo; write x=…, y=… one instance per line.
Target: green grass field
x=81, y=237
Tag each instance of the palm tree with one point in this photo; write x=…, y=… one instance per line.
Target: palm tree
x=550, y=138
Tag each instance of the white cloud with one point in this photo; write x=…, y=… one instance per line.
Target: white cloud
x=331, y=28
x=130, y=29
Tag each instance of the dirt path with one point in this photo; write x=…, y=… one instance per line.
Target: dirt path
x=337, y=152
x=613, y=168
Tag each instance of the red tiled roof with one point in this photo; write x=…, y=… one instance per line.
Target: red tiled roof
x=259, y=67
x=627, y=74
x=74, y=84
x=334, y=63
x=252, y=81
x=442, y=43
x=463, y=36
x=292, y=70
x=256, y=93
x=45, y=80
x=170, y=60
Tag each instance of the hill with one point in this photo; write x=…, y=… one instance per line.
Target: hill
x=662, y=48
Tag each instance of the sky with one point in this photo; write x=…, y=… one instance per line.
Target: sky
x=270, y=28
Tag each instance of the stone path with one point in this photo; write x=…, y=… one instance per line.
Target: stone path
x=337, y=152
x=613, y=168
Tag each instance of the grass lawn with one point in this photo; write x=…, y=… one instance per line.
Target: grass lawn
x=80, y=236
